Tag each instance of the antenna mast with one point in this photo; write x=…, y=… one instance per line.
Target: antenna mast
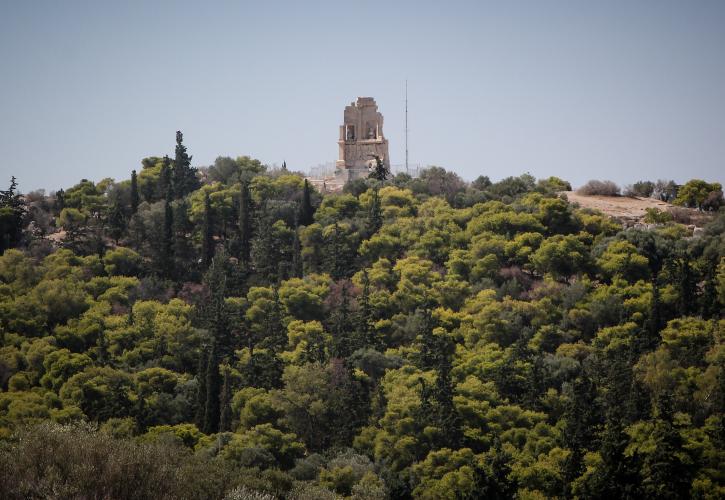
x=406, y=126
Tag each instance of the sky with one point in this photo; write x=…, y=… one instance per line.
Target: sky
x=621, y=90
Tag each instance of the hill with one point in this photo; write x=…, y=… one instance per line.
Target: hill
x=234, y=333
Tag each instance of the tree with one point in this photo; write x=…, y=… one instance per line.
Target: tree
x=225, y=417
x=12, y=211
x=375, y=214
x=116, y=222
x=380, y=170
x=167, y=242
x=307, y=211
x=643, y=189
x=134, y=193
x=201, y=387
x=699, y=194
x=245, y=224
x=207, y=242
x=560, y=255
x=211, y=408
x=184, y=178
x=165, y=181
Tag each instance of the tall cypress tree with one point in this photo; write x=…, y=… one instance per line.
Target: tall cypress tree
x=184, y=176
x=245, y=224
x=375, y=215
x=214, y=309
x=263, y=252
x=341, y=326
x=337, y=253
x=307, y=211
x=446, y=417
x=225, y=407
x=365, y=331
x=211, y=408
x=165, y=177
x=116, y=221
x=167, y=243
x=296, y=271
x=134, y=193
x=201, y=387
x=207, y=244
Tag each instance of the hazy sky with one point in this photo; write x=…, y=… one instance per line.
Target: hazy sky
x=623, y=90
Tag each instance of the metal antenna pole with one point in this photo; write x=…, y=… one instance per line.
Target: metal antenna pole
x=406, y=127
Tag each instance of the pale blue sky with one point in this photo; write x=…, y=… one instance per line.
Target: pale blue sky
x=623, y=90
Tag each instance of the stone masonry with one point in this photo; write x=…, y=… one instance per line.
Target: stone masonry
x=361, y=139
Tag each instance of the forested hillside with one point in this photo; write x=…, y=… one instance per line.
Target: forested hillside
x=232, y=332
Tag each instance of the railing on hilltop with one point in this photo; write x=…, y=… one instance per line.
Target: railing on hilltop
x=327, y=170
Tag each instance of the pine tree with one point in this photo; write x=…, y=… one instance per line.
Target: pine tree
x=184, y=178
x=211, y=408
x=225, y=407
x=307, y=211
x=207, y=248
x=134, y=193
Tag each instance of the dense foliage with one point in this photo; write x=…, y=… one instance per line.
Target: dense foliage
x=231, y=331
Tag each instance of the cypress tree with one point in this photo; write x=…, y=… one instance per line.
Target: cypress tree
x=167, y=243
x=225, y=407
x=307, y=211
x=446, y=416
x=211, y=408
x=245, y=224
x=201, y=387
x=263, y=253
x=134, y=193
x=116, y=222
x=184, y=176
x=207, y=248
x=296, y=271
x=375, y=215
x=365, y=331
x=59, y=204
x=341, y=326
x=336, y=253
x=214, y=308
x=165, y=177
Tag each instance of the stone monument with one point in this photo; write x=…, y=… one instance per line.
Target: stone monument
x=361, y=139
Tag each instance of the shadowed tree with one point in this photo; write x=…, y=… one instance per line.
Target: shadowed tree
x=184, y=178
x=134, y=193
x=307, y=211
